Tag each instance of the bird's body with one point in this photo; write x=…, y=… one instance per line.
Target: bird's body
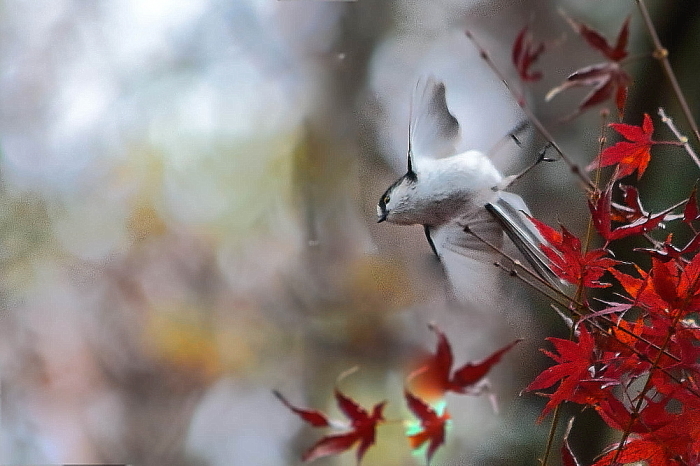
x=459, y=200
x=448, y=188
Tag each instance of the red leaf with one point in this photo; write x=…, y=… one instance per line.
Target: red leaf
x=665, y=277
x=691, y=213
x=632, y=209
x=631, y=155
x=331, y=445
x=313, y=417
x=602, y=214
x=672, y=441
x=363, y=426
x=567, y=259
x=471, y=373
x=620, y=50
x=606, y=79
x=525, y=53
x=667, y=251
x=634, y=451
x=640, y=290
x=352, y=410
x=598, y=42
x=434, y=377
x=672, y=287
x=621, y=96
x=433, y=426
x=574, y=362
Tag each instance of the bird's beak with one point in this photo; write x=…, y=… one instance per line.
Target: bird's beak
x=381, y=213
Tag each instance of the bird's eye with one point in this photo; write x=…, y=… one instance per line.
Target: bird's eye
x=387, y=199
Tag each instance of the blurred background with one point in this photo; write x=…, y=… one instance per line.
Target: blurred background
x=187, y=197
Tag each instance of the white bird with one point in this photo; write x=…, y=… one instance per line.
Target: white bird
x=459, y=192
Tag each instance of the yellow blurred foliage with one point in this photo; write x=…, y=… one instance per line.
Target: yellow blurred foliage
x=378, y=284
x=239, y=341
x=144, y=221
x=176, y=339
x=248, y=341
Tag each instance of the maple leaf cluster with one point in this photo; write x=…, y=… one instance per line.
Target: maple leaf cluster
x=657, y=346
x=650, y=336
x=634, y=360
x=607, y=79
x=431, y=381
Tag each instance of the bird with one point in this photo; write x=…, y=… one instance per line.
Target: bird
x=459, y=199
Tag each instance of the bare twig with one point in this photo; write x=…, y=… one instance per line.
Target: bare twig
x=683, y=139
x=602, y=141
x=661, y=54
x=533, y=280
x=575, y=169
x=563, y=299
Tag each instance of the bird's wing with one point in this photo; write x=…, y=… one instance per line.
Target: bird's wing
x=509, y=209
x=433, y=130
x=467, y=260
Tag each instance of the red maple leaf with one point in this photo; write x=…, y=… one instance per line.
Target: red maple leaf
x=684, y=343
x=312, y=416
x=434, y=378
x=675, y=442
x=567, y=259
x=667, y=251
x=607, y=80
x=432, y=424
x=573, y=371
x=525, y=53
x=636, y=450
x=604, y=212
x=691, y=212
x=362, y=423
x=632, y=209
x=598, y=42
x=631, y=155
x=641, y=290
x=671, y=287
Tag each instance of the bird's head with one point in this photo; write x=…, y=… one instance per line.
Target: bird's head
x=395, y=204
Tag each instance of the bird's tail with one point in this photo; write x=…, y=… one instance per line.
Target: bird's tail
x=510, y=211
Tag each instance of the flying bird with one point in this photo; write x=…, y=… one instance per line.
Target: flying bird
x=459, y=199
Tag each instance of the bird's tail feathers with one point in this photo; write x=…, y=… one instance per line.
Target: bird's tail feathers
x=511, y=212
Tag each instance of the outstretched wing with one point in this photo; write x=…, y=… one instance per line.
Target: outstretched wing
x=468, y=261
x=433, y=130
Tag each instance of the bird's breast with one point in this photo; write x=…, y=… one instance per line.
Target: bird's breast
x=451, y=187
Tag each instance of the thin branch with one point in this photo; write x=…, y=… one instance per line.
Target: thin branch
x=661, y=54
x=575, y=169
x=552, y=432
x=562, y=297
x=683, y=139
x=518, y=266
x=601, y=144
